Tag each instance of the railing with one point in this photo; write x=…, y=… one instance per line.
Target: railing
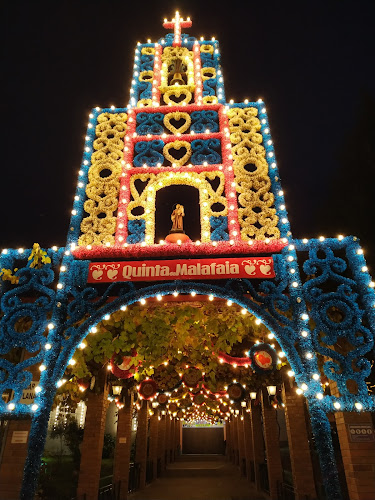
x=109, y=492
x=285, y=491
x=134, y=470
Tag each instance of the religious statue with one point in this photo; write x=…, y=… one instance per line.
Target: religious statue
x=177, y=219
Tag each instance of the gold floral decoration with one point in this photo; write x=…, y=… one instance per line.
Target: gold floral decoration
x=146, y=76
x=142, y=103
x=104, y=181
x=208, y=73
x=177, y=117
x=177, y=145
x=173, y=93
x=210, y=99
x=148, y=51
x=208, y=49
x=256, y=212
x=145, y=199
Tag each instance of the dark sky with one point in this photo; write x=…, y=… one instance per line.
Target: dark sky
x=312, y=63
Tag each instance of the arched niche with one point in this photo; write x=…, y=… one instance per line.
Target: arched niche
x=165, y=202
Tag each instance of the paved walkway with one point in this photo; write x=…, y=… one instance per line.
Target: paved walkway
x=199, y=477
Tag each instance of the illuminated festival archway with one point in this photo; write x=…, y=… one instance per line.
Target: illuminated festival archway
x=309, y=293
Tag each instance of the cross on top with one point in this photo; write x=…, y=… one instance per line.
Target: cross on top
x=176, y=24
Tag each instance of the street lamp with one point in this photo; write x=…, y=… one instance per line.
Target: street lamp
x=116, y=389
x=271, y=390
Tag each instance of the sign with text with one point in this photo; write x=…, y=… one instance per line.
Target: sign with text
x=28, y=394
x=19, y=437
x=360, y=433
x=188, y=269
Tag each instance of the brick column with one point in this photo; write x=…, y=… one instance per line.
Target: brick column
x=13, y=460
x=258, y=446
x=248, y=442
x=173, y=439
x=178, y=429
x=299, y=446
x=141, y=443
x=161, y=442
x=358, y=457
x=167, y=439
x=92, y=445
x=234, y=427
x=123, y=446
x=228, y=444
x=153, y=451
x=241, y=445
x=271, y=439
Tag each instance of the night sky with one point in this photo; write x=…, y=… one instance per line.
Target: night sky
x=311, y=62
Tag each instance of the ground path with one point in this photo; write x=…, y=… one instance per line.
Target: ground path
x=200, y=477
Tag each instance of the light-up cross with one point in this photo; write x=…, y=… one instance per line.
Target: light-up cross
x=176, y=24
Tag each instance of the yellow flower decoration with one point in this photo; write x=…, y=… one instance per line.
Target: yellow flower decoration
x=173, y=96
x=209, y=49
x=210, y=99
x=104, y=180
x=148, y=51
x=146, y=76
x=177, y=116
x=142, y=103
x=177, y=145
x=208, y=73
x=38, y=257
x=7, y=275
x=256, y=212
x=153, y=182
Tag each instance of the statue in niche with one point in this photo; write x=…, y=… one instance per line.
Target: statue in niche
x=177, y=233
x=177, y=219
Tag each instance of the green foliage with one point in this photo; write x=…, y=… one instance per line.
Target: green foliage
x=173, y=334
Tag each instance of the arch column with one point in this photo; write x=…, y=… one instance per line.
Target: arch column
x=92, y=445
x=141, y=443
x=123, y=446
x=234, y=426
x=271, y=439
x=299, y=446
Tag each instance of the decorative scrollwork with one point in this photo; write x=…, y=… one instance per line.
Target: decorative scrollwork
x=341, y=333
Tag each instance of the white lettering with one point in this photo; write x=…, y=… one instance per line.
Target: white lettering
x=234, y=269
x=127, y=272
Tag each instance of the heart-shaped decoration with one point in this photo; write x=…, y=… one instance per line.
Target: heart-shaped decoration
x=97, y=274
x=112, y=273
x=177, y=145
x=177, y=117
x=177, y=96
x=265, y=269
x=250, y=269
